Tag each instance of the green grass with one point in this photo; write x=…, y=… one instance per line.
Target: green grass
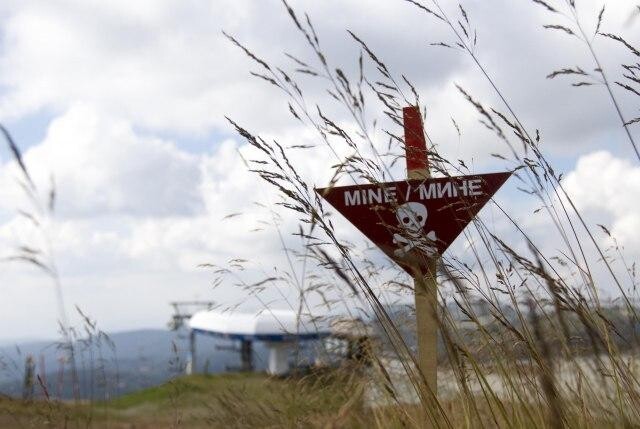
x=248, y=400
x=227, y=400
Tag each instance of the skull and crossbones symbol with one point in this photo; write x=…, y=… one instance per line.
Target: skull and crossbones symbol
x=412, y=217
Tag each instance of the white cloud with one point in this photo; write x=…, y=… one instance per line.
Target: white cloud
x=134, y=207
x=100, y=166
x=166, y=66
x=137, y=212
x=608, y=189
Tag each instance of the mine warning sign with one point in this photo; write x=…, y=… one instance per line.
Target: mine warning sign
x=414, y=220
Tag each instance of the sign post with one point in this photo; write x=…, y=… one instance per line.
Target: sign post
x=414, y=221
x=424, y=282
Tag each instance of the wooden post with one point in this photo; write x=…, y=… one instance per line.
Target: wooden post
x=425, y=284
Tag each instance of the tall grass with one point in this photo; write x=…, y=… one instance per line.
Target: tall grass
x=552, y=352
x=83, y=349
x=39, y=213
x=526, y=339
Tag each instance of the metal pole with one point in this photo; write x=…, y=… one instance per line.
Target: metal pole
x=425, y=284
x=192, y=352
x=246, y=355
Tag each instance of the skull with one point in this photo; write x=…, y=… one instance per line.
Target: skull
x=412, y=217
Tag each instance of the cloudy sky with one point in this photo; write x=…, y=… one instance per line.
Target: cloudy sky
x=123, y=103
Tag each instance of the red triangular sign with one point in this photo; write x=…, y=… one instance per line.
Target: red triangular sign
x=414, y=220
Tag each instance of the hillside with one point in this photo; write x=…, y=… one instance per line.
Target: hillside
x=229, y=400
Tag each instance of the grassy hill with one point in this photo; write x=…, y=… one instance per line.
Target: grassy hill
x=324, y=399
x=225, y=400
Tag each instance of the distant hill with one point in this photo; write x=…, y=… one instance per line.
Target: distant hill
x=138, y=359
x=145, y=358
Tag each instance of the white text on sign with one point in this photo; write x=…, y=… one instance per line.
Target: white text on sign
x=425, y=191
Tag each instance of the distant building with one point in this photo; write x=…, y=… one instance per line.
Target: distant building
x=280, y=330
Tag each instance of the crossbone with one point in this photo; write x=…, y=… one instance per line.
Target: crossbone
x=412, y=218
x=424, y=244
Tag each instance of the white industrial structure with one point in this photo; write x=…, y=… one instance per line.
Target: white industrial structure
x=278, y=329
